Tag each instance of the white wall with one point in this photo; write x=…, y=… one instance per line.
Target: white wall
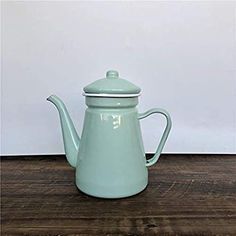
x=182, y=55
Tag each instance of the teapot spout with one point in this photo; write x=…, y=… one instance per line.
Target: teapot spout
x=70, y=137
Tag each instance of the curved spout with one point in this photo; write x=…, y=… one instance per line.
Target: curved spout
x=70, y=137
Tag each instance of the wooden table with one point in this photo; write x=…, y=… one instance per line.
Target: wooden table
x=186, y=195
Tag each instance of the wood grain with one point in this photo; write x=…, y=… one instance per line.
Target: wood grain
x=186, y=195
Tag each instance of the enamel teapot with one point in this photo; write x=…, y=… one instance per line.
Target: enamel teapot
x=109, y=157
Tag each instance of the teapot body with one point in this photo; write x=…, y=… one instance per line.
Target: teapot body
x=111, y=158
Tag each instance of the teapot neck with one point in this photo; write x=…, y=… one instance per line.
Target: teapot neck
x=114, y=102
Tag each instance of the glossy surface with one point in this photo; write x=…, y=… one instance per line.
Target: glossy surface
x=110, y=158
x=112, y=84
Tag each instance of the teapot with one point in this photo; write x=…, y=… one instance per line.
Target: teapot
x=109, y=158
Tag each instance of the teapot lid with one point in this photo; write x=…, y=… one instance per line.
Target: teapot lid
x=112, y=86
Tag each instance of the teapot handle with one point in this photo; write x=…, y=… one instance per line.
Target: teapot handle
x=155, y=158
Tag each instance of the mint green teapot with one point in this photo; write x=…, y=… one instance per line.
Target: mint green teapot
x=109, y=157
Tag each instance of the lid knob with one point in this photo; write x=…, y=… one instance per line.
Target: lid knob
x=112, y=74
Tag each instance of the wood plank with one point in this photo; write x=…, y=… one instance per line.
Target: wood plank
x=186, y=195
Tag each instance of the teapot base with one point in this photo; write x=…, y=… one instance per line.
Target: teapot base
x=114, y=195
